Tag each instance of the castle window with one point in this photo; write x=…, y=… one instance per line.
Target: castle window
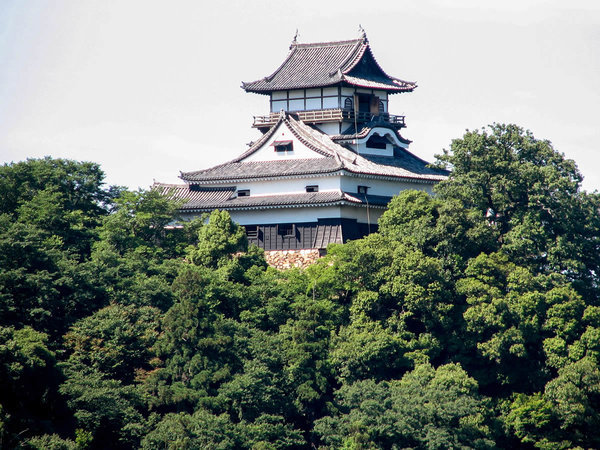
x=286, y=229
x=312, y=188
x=362, y=189
x=381, y=107
x=252, y=231
x=348, y=104
x=378, y=142
x=283, y=146
x=243, y=193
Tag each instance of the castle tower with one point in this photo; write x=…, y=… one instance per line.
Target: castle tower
x=338, y=88
x=329, y=159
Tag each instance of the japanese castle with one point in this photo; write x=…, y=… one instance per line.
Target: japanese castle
x=329, y=159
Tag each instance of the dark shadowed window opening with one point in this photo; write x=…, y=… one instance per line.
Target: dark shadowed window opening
x=252, y=231
x=348, y=103
x=283, y=146
x=286, y=229
x=312, y=188
x=378, y=142
x=362, y=189
x=243, y=193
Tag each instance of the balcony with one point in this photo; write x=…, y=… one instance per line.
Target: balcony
x=333, y=115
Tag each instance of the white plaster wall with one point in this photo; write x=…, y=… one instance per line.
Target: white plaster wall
x=291, y=186
x=267, y=151
x=278, y=95
x=330, y=102
x=296, y=105
x=389, y=149
x=299, y=215
x=329, y=128
x=382, y=187
x=278, y=105
x=313, y=103
x=286, y=215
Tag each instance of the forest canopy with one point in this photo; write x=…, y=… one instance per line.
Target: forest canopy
x=471, y=319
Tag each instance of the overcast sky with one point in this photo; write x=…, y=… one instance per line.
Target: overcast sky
x=148, y=88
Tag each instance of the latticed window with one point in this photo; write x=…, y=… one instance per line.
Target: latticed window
x=348, y=104
x=381, y=107
x=252, y=231
x=286, y=229
x=283, y=146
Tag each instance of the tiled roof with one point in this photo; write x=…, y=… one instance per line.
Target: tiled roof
x=196, y=195
x=336, y=158
x=327, y=64
x=363, y=131
x=198, y=198
x=264, y=169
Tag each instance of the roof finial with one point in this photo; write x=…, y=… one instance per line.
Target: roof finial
x=362, y=33
x=295, y=40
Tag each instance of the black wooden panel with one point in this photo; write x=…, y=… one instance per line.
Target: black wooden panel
x=310, y=234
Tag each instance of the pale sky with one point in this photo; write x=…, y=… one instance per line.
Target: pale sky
x=150, y=88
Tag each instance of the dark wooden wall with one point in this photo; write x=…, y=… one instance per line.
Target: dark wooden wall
x=307, y=234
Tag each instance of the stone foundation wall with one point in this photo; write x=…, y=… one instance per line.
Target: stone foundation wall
x=286, y=259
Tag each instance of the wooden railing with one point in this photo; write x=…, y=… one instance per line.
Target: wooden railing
x=332, y=115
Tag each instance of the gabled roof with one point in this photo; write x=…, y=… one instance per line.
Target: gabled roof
x=333, y=158
x=329, y=63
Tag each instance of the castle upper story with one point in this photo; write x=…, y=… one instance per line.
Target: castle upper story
x=336, y=86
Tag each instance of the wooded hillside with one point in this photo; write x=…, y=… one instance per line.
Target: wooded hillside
x=470, y=320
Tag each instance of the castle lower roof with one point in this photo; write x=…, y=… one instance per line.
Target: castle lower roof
x=331, y=158
x=200, y=198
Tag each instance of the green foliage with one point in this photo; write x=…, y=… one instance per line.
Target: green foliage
x=470, y=320
x=29, y=381
x=531, y=194
x=110, y=411
x=218, y=240
x=427, y=408
x=116, y=341
x=205, y=430
x=50, y=442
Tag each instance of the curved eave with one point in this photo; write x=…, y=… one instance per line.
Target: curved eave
x=340, y=172
x=404, y=86
x=391, y=89
x=368, y=84
x=283, y=206
x=408, y=178
x=265, y=178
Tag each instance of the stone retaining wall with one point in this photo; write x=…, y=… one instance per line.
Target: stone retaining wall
x=286, y=259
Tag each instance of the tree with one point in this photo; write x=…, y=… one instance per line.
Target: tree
x=62, y=197
x=218, y=241
x=427, y=408
x=531, y=194
x=117, y=341
x=29, y=380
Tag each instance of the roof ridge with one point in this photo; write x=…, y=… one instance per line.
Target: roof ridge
x=328, y=43
x=170, y=185
x=353, y=58
x=253, y=148
x=403, y=83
